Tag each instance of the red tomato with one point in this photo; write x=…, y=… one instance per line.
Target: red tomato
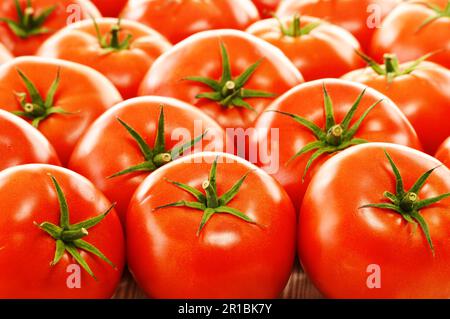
x=177, y=20
x=108, y=147
x=356, y=243
x=279, y=148
x=360, y=17
x=240, y=245
x=23, y=36
x=42, y=259
x=124, y=56
x=310, y=43
x=415, y=29
x=4, y=54
x=266, y=7
x=80, y=96
x=443, y=153
x=420, y=89
x=210, y=69
x=21, y=144
x=110, y=8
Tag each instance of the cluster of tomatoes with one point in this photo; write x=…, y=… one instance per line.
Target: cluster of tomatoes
x=115, y=139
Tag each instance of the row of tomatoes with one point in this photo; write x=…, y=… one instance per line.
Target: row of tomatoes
x=211, y=224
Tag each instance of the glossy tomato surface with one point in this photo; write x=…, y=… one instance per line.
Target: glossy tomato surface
x=229, y=258
x=423, y=95
x=200, y=55
x=326, y=51
x=404, y=33
x=344, y=248
x=177, y=20
x=110, y=8
x=124, y=67
x=5, y=55
x=20, y=143
x=64, y=12
x=107, y=148
x=443, y=153
x=266, y=7
x=385, y=123
x=360, y=17
x=82, y=92
x=27, y=196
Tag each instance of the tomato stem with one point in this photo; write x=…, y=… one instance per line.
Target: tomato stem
x=68, y=236
x=114, y=43
x=334, y=137
x=407, y=203
x=209, y=202
x=158, y=155
x=39, y=109
x=229, y=92
x=28, y=24
x=295, y=29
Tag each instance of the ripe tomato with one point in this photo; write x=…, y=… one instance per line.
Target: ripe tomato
x=122, y=50
x=266, y=8
x=240, y=245
x=372, y=246
x=48, y=247
x=303, y=148
x=110, y=8
x=230, y=75
x=60, y=98
x=309, y=43
x=21, y=144
x=415, y=29
x=4, y=54
x=360, y=17
x=420, y=89
x=443, y=153
x=177, y=20
x=109, y=148
x=25, y=24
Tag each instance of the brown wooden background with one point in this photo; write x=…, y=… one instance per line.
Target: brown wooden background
x=298, y=287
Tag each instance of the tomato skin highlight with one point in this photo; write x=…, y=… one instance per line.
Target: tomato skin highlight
x=385, y=123
x=422, y=95
x=230, y=257
x=200, y=55
x=5, y=55
x=328, y=51
x=65, y=12
x=443, y=152
x=352, y=15
x=107, y=148
x=22, y=144
x=125, y=68
x=82, y=91
x=27, y=196
x=401, y=34
x=177, y=20
x=110, y=8
x=338, y=241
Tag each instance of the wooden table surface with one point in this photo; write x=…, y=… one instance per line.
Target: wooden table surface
x=298, y=287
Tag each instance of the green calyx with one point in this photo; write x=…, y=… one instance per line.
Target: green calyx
x=110, y=42
x=210, y=202
x=295, y=29
x=334, y=137
x=407, y=203
x=230, y=92
x=158, y=155
x=391, y=68
x=439, y=13
x=28, y=24
x=68, y=236
x=39, y=108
